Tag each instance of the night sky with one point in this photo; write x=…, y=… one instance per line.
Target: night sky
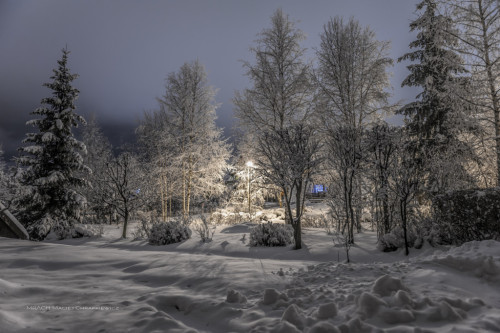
x=123, y=51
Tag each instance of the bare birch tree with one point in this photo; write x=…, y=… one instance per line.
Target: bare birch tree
x=281, y=91
x=125, y=179
x=290, y=161
x=351, y=78
x=479, y=43
x=280, y=95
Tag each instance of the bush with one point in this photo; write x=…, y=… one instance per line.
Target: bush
x=204, y=229
x=395, y=240
x=163, y=233
x=468, y=215
x=62, y=229
x=229, y=216
x=269, y=234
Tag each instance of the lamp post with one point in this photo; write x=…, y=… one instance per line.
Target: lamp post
x=249, y=165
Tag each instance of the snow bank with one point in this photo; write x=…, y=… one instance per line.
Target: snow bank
x=478, y=258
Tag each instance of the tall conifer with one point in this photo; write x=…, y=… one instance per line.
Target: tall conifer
x=53, y=178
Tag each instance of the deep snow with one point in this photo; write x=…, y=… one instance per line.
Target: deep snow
x=112, y=285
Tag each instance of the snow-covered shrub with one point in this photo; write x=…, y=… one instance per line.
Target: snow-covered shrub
x=271, y=234
x=229, y=216
x=395, y=239
x=204, y=229
x=163, y=233
x=269, y=215
x=87, y=230
x=62, y=229
x=468, y=215
x=217, y=217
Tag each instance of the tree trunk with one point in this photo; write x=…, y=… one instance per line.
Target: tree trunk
x=296, y=220
x=402, y=207
x=125, y=223
x=346, y=205
x=163, y=198
x=351, y=210
x=359, y=205
x=184, y=189
x=385, y=212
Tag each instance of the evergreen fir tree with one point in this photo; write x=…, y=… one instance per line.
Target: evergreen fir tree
x=435, y=120
x=53, y=178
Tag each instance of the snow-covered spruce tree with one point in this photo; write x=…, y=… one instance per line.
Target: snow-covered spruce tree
x=53, y=178
x=435, y=120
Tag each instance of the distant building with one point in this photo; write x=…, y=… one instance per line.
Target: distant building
x=316, y=191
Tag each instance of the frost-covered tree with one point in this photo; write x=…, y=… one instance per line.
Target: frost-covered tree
x=52, y=179
x=290, y=161
x=478, y=36
x=99, y=153
x=4, y=180
x=382, y=144
x=281, y=91
x=159, y=153
x=125, y=181
x=407, y=176
x=344, y=164
x=352, y=74
x=351, y=79
x=280, y=78
x=187, y=150
x=435, y=120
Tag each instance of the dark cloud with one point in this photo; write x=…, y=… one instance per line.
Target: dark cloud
x=123, y=50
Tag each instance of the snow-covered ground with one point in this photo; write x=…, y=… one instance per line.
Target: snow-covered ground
x=112, y=285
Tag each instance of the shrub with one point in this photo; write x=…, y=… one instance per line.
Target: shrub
x=64, y=230
x=163, y=233
x=271, y=234
x=204, y=229
x=395, y=239
x=467, y=215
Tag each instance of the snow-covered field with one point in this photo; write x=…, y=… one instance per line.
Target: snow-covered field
x=112, y=285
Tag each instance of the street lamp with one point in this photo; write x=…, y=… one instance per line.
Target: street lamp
x=249, y=165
